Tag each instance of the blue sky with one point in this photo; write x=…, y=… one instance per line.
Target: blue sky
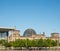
x=40, y=15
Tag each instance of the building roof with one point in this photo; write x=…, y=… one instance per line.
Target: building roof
x=55, y=33
x=6, y=29
x=29, y=32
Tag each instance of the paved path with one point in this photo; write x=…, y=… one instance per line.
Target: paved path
x=29, y=50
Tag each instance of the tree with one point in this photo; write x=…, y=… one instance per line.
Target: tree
x=48, y=43
x=7, y=44
x=28, y=43
x=33, y=43
x=54, y=43
x=40, y=43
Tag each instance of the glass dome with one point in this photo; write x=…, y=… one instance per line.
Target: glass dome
x=29, y=32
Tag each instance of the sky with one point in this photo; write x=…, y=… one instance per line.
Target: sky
x=40, y=15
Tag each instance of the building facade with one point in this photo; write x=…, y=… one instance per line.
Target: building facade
x=55, y=36
x=14, y=35
x=28, y=34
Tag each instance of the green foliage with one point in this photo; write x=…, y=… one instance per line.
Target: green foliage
x=18, y=43
x=2, y=42
x=6, y=44
x=48, y=43
x=33, y=43
x=29, y=43
x=54, y=43
x=40, y=43
x=59, y=44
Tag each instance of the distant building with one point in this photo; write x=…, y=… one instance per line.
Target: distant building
x=28, y=34
x=4, y=32
x=14, y=35
x=55, y=36
x=31, y=34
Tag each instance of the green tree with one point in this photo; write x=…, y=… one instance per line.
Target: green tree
x=54, y=43
x=34, y=43
x=28, y=43
x=2, y=42
x=40, y=43
x=18, y=43
x=7, y=44
x=48, y=43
